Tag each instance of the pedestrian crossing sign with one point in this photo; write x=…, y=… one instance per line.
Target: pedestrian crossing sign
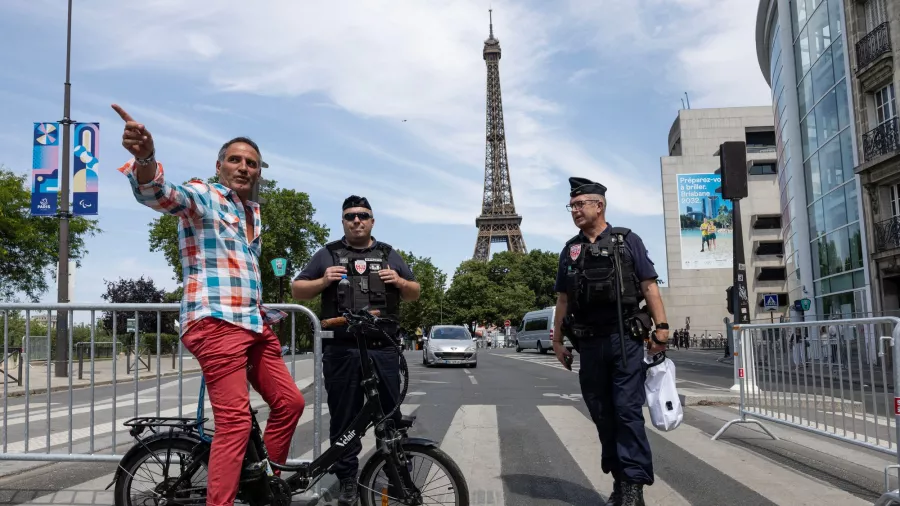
x=770, y=301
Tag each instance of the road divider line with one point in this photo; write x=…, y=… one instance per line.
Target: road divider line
x=473, y=441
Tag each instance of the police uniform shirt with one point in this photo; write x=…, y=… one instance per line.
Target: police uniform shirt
x=634, y=247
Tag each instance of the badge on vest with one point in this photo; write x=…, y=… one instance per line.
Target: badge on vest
x=574, y=251
x=360, y=266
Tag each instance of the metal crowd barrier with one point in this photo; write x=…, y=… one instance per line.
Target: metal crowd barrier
x=829, y=377
x=60, y=441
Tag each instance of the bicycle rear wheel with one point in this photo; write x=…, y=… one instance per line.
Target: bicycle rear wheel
x=149, y=475
x=434, y=473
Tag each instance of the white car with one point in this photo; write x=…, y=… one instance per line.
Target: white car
x=451, y=345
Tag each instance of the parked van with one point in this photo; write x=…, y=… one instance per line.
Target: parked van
x=536, y=331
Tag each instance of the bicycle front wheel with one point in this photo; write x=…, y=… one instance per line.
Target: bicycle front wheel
x=435, y=474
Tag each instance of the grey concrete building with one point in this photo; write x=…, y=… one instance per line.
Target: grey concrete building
x=802, y=49
x=873, y=31
x=698, y=274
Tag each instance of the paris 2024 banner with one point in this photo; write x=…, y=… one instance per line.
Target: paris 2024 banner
x=707, y=239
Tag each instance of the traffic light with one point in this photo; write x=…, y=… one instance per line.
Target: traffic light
x=729, y=299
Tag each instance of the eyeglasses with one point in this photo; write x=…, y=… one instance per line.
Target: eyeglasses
x=361, y=216
x=579, y=204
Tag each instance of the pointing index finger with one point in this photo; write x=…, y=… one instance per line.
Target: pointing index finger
x=122, y=114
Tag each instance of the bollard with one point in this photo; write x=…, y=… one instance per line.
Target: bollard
x=80, y=361
x=21, y=365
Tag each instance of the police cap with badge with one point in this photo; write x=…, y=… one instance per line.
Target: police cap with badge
x=582, y=186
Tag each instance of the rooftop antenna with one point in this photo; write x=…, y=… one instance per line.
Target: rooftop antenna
x=688, y=100
x=682, y=103
x=491, y=20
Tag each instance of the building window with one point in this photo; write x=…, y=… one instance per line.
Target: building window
x=885, y=108
x=762, y=169
x=895, y=200
x=876, y=13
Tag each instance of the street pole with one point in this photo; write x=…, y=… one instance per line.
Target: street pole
x=62, y=320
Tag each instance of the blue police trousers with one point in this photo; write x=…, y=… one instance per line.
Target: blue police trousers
x=615, y=397
x=340, y=366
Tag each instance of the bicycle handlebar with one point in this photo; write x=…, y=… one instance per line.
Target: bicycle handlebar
x=342, y=320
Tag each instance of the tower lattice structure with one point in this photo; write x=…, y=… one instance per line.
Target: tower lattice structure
x=498, y=221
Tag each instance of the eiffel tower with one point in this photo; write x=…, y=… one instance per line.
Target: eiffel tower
x=498, y=221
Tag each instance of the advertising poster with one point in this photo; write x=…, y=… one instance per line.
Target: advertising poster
x=706, y=221
x=45, y=169
x=84, y=177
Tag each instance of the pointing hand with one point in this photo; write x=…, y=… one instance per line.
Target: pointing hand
x=136, y=138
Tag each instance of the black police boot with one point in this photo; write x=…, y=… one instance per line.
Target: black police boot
x=632, y=495
x=615, y=499
x=349, y=494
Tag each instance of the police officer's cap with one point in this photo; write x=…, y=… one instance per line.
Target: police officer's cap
x=356, y=201
x=582, y=186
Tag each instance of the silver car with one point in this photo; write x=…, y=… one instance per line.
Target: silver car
x=449, y=344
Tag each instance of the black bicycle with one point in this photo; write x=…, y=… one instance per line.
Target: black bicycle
x=403, y=470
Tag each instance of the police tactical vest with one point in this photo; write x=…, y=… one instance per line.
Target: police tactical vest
x=367, y=290
x=591, y=276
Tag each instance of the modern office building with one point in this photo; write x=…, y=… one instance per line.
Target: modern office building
x=873, y=30
x=699, y=271
x=802, y=49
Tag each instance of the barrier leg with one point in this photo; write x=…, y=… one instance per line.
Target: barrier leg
x=739, y=362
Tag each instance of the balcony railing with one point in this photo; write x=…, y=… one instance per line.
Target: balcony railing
x=874, y=44
x=881, y=140
x=887, y=234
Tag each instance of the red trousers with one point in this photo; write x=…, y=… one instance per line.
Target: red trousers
x=224, y=351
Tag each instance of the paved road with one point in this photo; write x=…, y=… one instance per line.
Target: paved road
x=519, y=430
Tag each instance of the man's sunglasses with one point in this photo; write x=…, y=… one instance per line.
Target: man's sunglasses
x=361, y=216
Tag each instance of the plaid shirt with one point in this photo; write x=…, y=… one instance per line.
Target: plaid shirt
x=220, y=267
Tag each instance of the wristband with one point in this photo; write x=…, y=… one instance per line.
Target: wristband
x=662, y=326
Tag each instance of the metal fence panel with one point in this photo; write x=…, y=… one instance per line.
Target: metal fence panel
x=831, y=378
x=45, y=437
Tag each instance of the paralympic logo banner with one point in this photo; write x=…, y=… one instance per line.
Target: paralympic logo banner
x=85, y=184
x=706, y=222
x=45, y=169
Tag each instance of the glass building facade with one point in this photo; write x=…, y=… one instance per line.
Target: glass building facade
x=814, y=134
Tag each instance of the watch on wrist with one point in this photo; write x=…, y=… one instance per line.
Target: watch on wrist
x=662, y=326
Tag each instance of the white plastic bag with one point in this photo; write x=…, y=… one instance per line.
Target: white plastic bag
x=666, y=412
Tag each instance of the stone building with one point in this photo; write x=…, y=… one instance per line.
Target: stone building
x=698, y=276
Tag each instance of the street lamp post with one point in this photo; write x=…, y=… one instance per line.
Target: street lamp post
x=62, y=323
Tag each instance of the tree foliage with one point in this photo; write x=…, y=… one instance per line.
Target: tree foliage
x=137, y=291
x=29, y=245
x=505, y=288
x=427, y=309
x=288, y=231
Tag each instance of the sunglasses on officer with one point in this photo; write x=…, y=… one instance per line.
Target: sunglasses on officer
x=352, y=216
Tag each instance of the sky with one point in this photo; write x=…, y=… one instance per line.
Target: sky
x=384, y=99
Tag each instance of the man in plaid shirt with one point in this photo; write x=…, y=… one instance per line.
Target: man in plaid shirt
x=225, y=324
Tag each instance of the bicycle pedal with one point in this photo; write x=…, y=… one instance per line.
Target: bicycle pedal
x=253, y=471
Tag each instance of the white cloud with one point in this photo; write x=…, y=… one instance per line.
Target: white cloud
x=389, y=60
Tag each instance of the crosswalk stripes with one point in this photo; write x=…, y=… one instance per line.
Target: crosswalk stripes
x=475, y=434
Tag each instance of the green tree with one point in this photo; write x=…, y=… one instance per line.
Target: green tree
x=29, y=245
x=288, y=231
x=504, y=288
x=137, y=291
x=427, y=309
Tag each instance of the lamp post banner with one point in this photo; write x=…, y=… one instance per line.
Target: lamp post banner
x=45, y=169
x=85, y=183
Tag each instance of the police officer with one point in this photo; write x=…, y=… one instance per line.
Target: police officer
x=593, y=311
x=379, y=279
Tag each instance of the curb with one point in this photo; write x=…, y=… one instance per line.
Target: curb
x=63, y=388
x=710, y=400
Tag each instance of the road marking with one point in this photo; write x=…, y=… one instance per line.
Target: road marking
x=415, y=393
x=568, y=397
x=471, y=378
x=571, y=426
x=779, y=484
x=473, y=441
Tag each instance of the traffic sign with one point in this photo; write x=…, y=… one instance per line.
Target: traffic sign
x=805, y=304
x=279, y=265
x=770, y=301
x=507, y=323
x=129, y=325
